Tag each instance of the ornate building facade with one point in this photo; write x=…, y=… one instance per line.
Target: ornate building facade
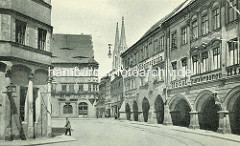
x=75, y=75
x=25, y=97
x=197, y=46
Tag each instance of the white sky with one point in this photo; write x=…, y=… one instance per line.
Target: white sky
x=99, y=18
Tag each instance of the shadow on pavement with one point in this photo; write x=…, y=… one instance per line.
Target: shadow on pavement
x=57, y=131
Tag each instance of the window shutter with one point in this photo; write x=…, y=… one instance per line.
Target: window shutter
x=14, y=30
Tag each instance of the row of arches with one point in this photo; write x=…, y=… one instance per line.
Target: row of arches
x=206, y=106
x=82, y=108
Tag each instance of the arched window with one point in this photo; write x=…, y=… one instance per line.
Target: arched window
x=67, y=109
x=83, y=108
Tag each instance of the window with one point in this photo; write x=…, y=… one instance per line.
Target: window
x=161, y=73
x=174, y=40
x=216, y=58
x=83, y=108
x=204, y=24
x=71, y=88
x=115, y=60
x=135, y=58
x=195, y=63
x=94, y=87
x=216, y=18
x=204, y=61
x=174, y=73
x=20, y=31
x=42, y=39
x=184, y=35
x=156, y=45
x=194, y=29
x=184, y=64
x=89, y=87
x=232, y=13
x=161, y=43
x=142, y=54
x=80, y=87
x=233, y=52
x=147, y=51
x=67, y=109
x=64, y=88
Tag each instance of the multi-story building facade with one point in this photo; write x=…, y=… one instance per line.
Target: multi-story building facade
x=104, y=100
x=75, y=87
x=201, y=45
x=24, y=60
x=116, y=95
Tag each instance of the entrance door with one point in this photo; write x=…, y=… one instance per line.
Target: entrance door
x=23, y=94
x=83, y=109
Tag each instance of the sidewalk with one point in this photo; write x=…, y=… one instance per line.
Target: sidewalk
x=40, y=141
x=231, y=137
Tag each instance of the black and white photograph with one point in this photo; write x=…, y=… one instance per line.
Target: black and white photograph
x=120, y=72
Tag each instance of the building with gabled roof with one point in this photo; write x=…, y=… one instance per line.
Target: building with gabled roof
x=75, y=76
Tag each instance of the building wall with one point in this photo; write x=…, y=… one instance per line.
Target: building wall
x=188, y=97
x=24, y=65
x=73, y=94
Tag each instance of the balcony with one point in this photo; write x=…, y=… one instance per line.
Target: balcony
x=233, y=70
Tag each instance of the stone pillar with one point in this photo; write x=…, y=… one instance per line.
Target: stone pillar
x=30, y=111
x=167, y=116
x=140, y=117
x=152, y=116
x=194, y=123
x=49, y=108
x=8, y=111
x=224, y=122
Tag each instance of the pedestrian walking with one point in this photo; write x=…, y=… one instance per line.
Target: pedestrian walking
x=68, y=126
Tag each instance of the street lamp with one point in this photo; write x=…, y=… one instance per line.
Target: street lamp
x=109, y=51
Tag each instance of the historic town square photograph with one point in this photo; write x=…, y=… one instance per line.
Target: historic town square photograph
x=120, y=72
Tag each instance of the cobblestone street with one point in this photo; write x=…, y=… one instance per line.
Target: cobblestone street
x=109, y=132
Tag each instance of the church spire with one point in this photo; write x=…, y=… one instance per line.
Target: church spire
x=115, y=51
x=123, y=44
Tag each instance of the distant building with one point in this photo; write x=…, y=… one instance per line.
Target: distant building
x=103, y=106
x=116, y=95
x=75, y=87
x=25, y=55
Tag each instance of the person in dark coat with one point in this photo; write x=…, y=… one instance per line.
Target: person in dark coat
x=68, y=127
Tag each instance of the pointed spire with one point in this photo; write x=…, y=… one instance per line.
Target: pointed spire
x=115, y=51
x=123, y=44
x=116, y=39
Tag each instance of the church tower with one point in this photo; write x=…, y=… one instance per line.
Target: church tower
x=119, y=47
x=115, y=51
